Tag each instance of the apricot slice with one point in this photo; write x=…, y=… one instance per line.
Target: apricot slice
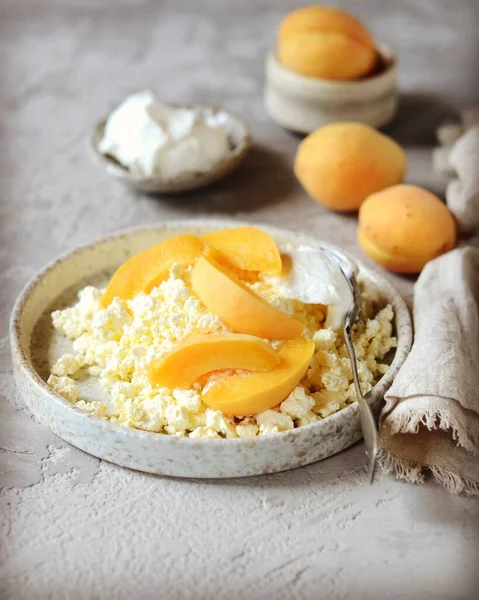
x=237, y=306
x=252, y=393
x=202, y=354
x=246, y=249
x=144, y=271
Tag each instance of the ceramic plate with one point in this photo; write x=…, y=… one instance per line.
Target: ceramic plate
x=35, y=345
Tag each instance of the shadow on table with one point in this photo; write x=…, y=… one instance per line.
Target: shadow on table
x=264, y=179
x=417, y=119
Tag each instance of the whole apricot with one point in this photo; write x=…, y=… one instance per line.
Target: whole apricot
x=327, y=43
x=341, y=164
x=404, y=227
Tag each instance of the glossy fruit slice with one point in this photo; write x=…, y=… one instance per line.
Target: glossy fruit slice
x=202, y=354
x=249, y=394
x=146, y=270
x=246, y=249
x=237, y=306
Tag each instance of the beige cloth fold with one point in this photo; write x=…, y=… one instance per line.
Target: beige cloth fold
x=458, y=158
x=431, y=418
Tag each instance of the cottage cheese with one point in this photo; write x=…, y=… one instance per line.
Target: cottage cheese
x=116, y=345
x=65, y=386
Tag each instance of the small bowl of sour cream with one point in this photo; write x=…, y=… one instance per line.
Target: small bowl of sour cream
x=157, y=148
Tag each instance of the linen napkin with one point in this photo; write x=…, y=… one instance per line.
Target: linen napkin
x=458, y=157
x=431, y=418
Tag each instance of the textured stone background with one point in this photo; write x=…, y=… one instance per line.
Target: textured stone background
x=75, y=527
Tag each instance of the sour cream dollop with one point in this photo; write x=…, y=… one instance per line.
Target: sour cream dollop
x=153, y=139
x=315, y=278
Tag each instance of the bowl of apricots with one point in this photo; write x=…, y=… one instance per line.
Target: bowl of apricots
x=326, y=68
x=192, y=349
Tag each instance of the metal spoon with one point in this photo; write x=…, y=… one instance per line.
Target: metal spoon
x=368, y=422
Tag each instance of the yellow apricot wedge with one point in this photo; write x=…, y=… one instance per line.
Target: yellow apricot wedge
x=144, y=271
x=252, y=393
x=246, y=249
x=205, y=353
x=237, y=306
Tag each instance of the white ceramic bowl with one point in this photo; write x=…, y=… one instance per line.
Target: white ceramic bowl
x=158, y=453
x=239, y=139
x=303, y=104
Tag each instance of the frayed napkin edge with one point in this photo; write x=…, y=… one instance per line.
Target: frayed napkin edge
x=415, y=473
x=409, y=421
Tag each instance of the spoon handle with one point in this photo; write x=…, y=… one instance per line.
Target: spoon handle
x=368, y=422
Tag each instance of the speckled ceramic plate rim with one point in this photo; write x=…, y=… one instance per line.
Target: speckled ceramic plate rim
x=22, y=360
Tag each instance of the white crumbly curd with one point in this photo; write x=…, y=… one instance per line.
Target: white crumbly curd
x=153, y=139
x=118, y=343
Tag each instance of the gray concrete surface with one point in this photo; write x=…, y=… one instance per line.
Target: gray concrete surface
x=75, y=527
